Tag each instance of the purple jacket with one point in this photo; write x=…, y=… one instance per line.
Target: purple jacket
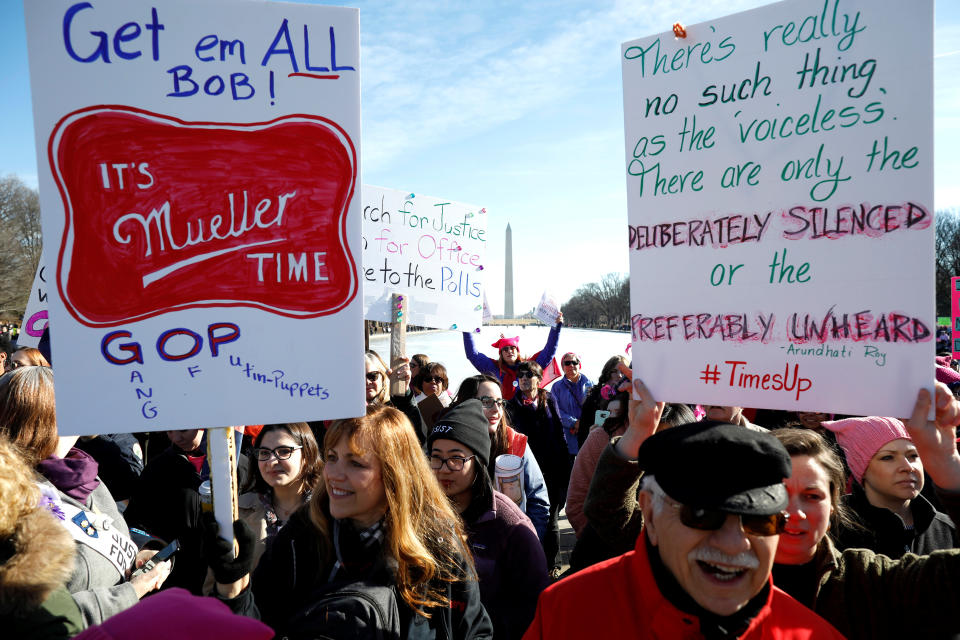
x=485, y=364
x=510, y=565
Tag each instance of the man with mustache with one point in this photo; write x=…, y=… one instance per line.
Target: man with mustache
x=713, y=505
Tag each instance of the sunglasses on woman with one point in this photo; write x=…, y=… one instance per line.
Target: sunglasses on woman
x=373, y=376
x=571, y=363
x=713, y=519
x=527, y=374
x=433, y=379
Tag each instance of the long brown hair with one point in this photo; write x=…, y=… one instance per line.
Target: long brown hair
x=422, y=531
x=28, y=413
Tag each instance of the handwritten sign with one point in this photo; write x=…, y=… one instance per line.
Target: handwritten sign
x=547, y=309
x=780, y=194
x=955, y=316
x=36, y=317
x=199, y=192
x=430, y=250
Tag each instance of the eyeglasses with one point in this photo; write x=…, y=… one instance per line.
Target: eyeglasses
x=713, y=519
x=454, y=463
x=489, y=402
x=373, y=376
x=282, y=453
x=527, y=374
x=433, y=379
x=571, y=363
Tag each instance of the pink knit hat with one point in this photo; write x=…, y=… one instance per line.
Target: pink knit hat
x=861, y=438
x=507, y=342
x=175, y=613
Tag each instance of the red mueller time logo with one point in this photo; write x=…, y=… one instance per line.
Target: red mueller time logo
x=163, y=214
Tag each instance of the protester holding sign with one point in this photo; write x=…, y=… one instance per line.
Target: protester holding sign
x=504, y=368
x=505, y=548
x=893, y=517
x=378, y=519
x=106, y=554
x=504, y=440
x=863, y=594
x=378, y=394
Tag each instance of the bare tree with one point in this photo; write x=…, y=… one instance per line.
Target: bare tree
x=947, y=257
x=21, y=242
x=603, y=304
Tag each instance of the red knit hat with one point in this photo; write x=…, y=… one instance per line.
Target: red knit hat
x=861, y=438
x=175, y=613
x=506, y=342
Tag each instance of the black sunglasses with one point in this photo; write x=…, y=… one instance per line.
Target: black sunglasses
x=433, y=379
x=373, y=376
x=713, y=519
x=527, y=374
x=571, y=363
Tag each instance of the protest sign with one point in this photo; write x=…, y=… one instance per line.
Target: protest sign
x=429, y=250
x=955, y=316
x=547, y=310
x=35, y=319
x=780, y=195
x=198, y=176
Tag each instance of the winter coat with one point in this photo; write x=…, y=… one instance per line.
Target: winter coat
x=510, y=566
x=541, y=425
x=570, y=396
x=166, y=504
x=96, y=586
x=408, y=406
x=863, y=594
x=292, y=569
x=885, y=533
x=582, y=473
x=507, y=374
x=33, y=600
x=624, y=601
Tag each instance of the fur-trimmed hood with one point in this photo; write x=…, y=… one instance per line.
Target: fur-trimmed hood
x=43, y=560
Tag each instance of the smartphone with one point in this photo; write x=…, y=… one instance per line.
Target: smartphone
x=160, y=556
x=601, y=417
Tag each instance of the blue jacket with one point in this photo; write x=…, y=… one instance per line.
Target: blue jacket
x=569, y=397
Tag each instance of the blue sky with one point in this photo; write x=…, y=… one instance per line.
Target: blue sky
x=513, y=106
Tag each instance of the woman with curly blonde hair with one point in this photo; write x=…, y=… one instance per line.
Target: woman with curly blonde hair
x=378, y=517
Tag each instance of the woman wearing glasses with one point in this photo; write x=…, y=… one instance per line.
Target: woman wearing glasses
x=505, y=548
x=378, y=394
x=287, y=463
x=504, y=440
x=533, y=412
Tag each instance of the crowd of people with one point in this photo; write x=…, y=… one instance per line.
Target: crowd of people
x=436, y=514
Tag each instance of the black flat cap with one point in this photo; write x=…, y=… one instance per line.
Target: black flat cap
x=715, y=465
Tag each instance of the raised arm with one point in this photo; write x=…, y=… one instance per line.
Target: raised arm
x=550, y=349
x=482, y=363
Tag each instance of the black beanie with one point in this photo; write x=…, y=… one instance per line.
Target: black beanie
x=467, y=424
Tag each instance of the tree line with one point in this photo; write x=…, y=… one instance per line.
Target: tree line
x=600, y=305
x=21, y=244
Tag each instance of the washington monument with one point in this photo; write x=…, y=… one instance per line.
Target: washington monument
x=508, y=276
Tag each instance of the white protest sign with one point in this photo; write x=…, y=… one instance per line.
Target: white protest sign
x=431, y=251
x=780, y=194
x=198, y=174
x=35, y=319
x=547, y=310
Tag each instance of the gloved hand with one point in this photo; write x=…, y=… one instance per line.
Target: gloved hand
x=219, y=552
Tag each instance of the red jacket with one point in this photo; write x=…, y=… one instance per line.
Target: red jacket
x=619, y=598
